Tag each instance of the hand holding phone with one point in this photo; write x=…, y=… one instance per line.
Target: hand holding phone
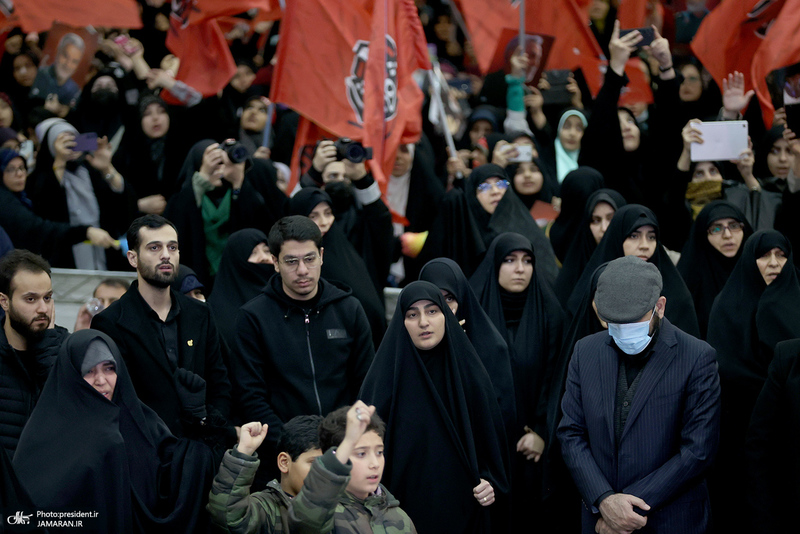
x=648, y=36
x=86, y=142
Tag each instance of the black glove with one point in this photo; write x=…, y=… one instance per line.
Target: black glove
x=192, y=393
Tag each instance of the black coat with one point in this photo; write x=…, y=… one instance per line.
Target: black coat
x=199, y=351
x=22, y=382
x=773, y=440
x=286, y=362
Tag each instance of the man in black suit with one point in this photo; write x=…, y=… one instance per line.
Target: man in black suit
x=641, y=412
x=169, y=341
x=773, y=440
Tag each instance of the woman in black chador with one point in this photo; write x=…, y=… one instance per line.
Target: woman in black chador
x=446, y=457
x=91, y=445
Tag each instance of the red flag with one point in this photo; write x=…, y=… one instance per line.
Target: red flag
x=731, y=34
x=197, y=40
x=347, y=67
x=39, y=15
x=575, y=46
x=632, y=13
x=780, y=48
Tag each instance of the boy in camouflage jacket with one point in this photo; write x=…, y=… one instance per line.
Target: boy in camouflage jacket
x=231, y=505
x=342, y=493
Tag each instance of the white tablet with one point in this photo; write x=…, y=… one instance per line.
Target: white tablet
x=722, y=141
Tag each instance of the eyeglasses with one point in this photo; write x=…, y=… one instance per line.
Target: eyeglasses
x=485, y=187
x=14, y=170
x=717, y=229
x=310, y=261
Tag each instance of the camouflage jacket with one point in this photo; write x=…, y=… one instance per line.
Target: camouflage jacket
x=324, y=505
x=235, y=510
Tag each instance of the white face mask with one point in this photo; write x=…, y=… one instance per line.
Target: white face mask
x=631, y=338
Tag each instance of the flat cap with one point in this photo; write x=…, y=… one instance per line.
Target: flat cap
x=627, y=290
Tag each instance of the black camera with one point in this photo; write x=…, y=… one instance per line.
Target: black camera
x=236, y=151
x=351, y=150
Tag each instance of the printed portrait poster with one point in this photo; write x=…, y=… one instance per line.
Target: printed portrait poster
x=65, y=63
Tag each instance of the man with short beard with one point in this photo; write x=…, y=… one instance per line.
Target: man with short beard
x=29, y=339
x=169, y=341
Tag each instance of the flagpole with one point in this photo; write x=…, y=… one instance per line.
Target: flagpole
x=522, y=26
x=268, y=127
x=459, y=19
x=433, y=76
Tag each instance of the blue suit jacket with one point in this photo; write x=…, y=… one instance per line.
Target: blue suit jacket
x=670, y=436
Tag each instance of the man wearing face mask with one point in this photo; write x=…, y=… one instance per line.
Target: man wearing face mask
x=641, y=412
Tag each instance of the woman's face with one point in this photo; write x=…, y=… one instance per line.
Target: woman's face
x=6, y=114
x=450, y=299
x=692, y=85
x=103, y=378
x=630, y=131
x=24, y=70
x=481, y=128
x=490, y=192
x=516, y=271
x=403, y=161
x=155, y=121
x=641, y=242
x=780, y=158
x=571, y=133
x=602, y=214
x=705, y=171
x=528, y=179
x=726, y=236
x=425, y=323
x=322, y=214
x=15, y=175
x=771, y=264
x=261, y=254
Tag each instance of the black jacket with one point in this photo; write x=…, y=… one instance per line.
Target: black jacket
x=199, y=351
x=289, y=362
x=21, y=382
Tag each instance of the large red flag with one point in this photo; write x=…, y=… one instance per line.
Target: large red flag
x=39, y=15
x=780, y=48
x=347, y=67
x=196, y=38
x=575, y=46
x=731, y=34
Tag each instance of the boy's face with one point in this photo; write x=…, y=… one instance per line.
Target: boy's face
x=297, y=470
x=368, y=462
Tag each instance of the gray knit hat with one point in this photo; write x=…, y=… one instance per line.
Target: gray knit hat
x=627, y=290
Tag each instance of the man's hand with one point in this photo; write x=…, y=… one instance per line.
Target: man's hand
x=601, y=527
x=251, y=436
x=484, y=493
x=531, y=445
x=618, y=512
x=734, y=99
x=324, y=154
x=358, y=417
x=621, y=48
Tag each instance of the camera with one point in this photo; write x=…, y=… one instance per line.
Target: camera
x=236, y=151
x=351, y=150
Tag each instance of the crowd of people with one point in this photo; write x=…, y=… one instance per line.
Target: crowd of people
x=594, y=333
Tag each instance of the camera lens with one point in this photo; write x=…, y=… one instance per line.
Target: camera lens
x=355, y=153
x=236, y=151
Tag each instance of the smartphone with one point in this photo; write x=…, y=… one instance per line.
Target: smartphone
x=558, y=93
x=722, y=141
x=648, y=35
x=524, y=154
x=793, y=118
x=86, y=142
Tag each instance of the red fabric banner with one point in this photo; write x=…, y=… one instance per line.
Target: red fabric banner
x=575, y=46
x=347, y=67
x=632, y=13
x=731, y=34
x=39, y=15
x=780, y=48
